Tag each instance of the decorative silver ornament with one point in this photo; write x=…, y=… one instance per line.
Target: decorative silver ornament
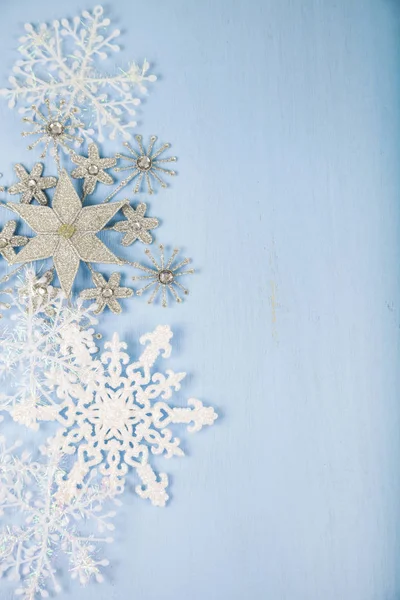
x=136, y=226
x=8, y=241
x=66, y=232
x=91, y=169
x=143, y=164
x=56, y=129
x=163, y=276
x=31, y=185
x=106, y=293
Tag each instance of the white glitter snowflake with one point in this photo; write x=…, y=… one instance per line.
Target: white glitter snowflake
x=118, y=416
x=113, y=411
x=40, y=526
x=45, y=332
x=62, y=60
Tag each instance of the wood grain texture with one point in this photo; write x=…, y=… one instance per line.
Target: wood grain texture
x=285, y=116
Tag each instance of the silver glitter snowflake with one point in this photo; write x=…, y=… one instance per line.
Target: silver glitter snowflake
x=92, y=169
x=144, y=164
x=163, y=276
x=136, y=226
x=63, y=59
x=9, y=241
x=57, y=129
x=106, y=293
x=31, y=185
x=66, y=232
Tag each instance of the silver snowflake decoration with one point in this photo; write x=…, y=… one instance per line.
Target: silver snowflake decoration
x=66, y=232
x=56, y=129
x=92, y=169
x=31, y=185
x=63, y=59
x=106, y=293
x=9, y=241
x=136, y=226
x=144, y=164
x=163, y=276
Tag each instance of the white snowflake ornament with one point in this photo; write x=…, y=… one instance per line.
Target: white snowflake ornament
x=62, y=59
x=49, y=525
x=117, y=416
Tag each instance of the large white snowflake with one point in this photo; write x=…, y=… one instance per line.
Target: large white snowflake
x=61, y=60
x=40, y=527
x=120, y=414
x=113, y=411
x=106, y=413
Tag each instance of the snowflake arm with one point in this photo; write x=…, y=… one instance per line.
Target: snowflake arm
x=48, y=525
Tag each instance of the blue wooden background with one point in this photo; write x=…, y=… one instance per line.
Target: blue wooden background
x=285, y=116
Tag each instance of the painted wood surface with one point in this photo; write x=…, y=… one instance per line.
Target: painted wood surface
x=285, y=116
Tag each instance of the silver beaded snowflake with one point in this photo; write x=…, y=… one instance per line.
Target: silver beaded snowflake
x=163, y=276
x=56, y=129
x=143, y=164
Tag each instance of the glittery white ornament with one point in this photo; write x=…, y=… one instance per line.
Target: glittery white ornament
x=62, y=59
x=48, y=524
x=115, y=416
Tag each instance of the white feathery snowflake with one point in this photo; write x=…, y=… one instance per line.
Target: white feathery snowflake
x=42, y=526
x=62, y=60
x=45, y=333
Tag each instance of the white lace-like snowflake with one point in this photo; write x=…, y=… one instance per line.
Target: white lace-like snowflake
x=120, y=414
x=113, y=411
x=40, y=526
x=62, y=59
x=45, y=332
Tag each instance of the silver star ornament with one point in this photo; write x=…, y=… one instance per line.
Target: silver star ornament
x=31, y=185
x=9, y=241
x=136, y=226
x=106, y=292
x=91, y=169
x=66, y=232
